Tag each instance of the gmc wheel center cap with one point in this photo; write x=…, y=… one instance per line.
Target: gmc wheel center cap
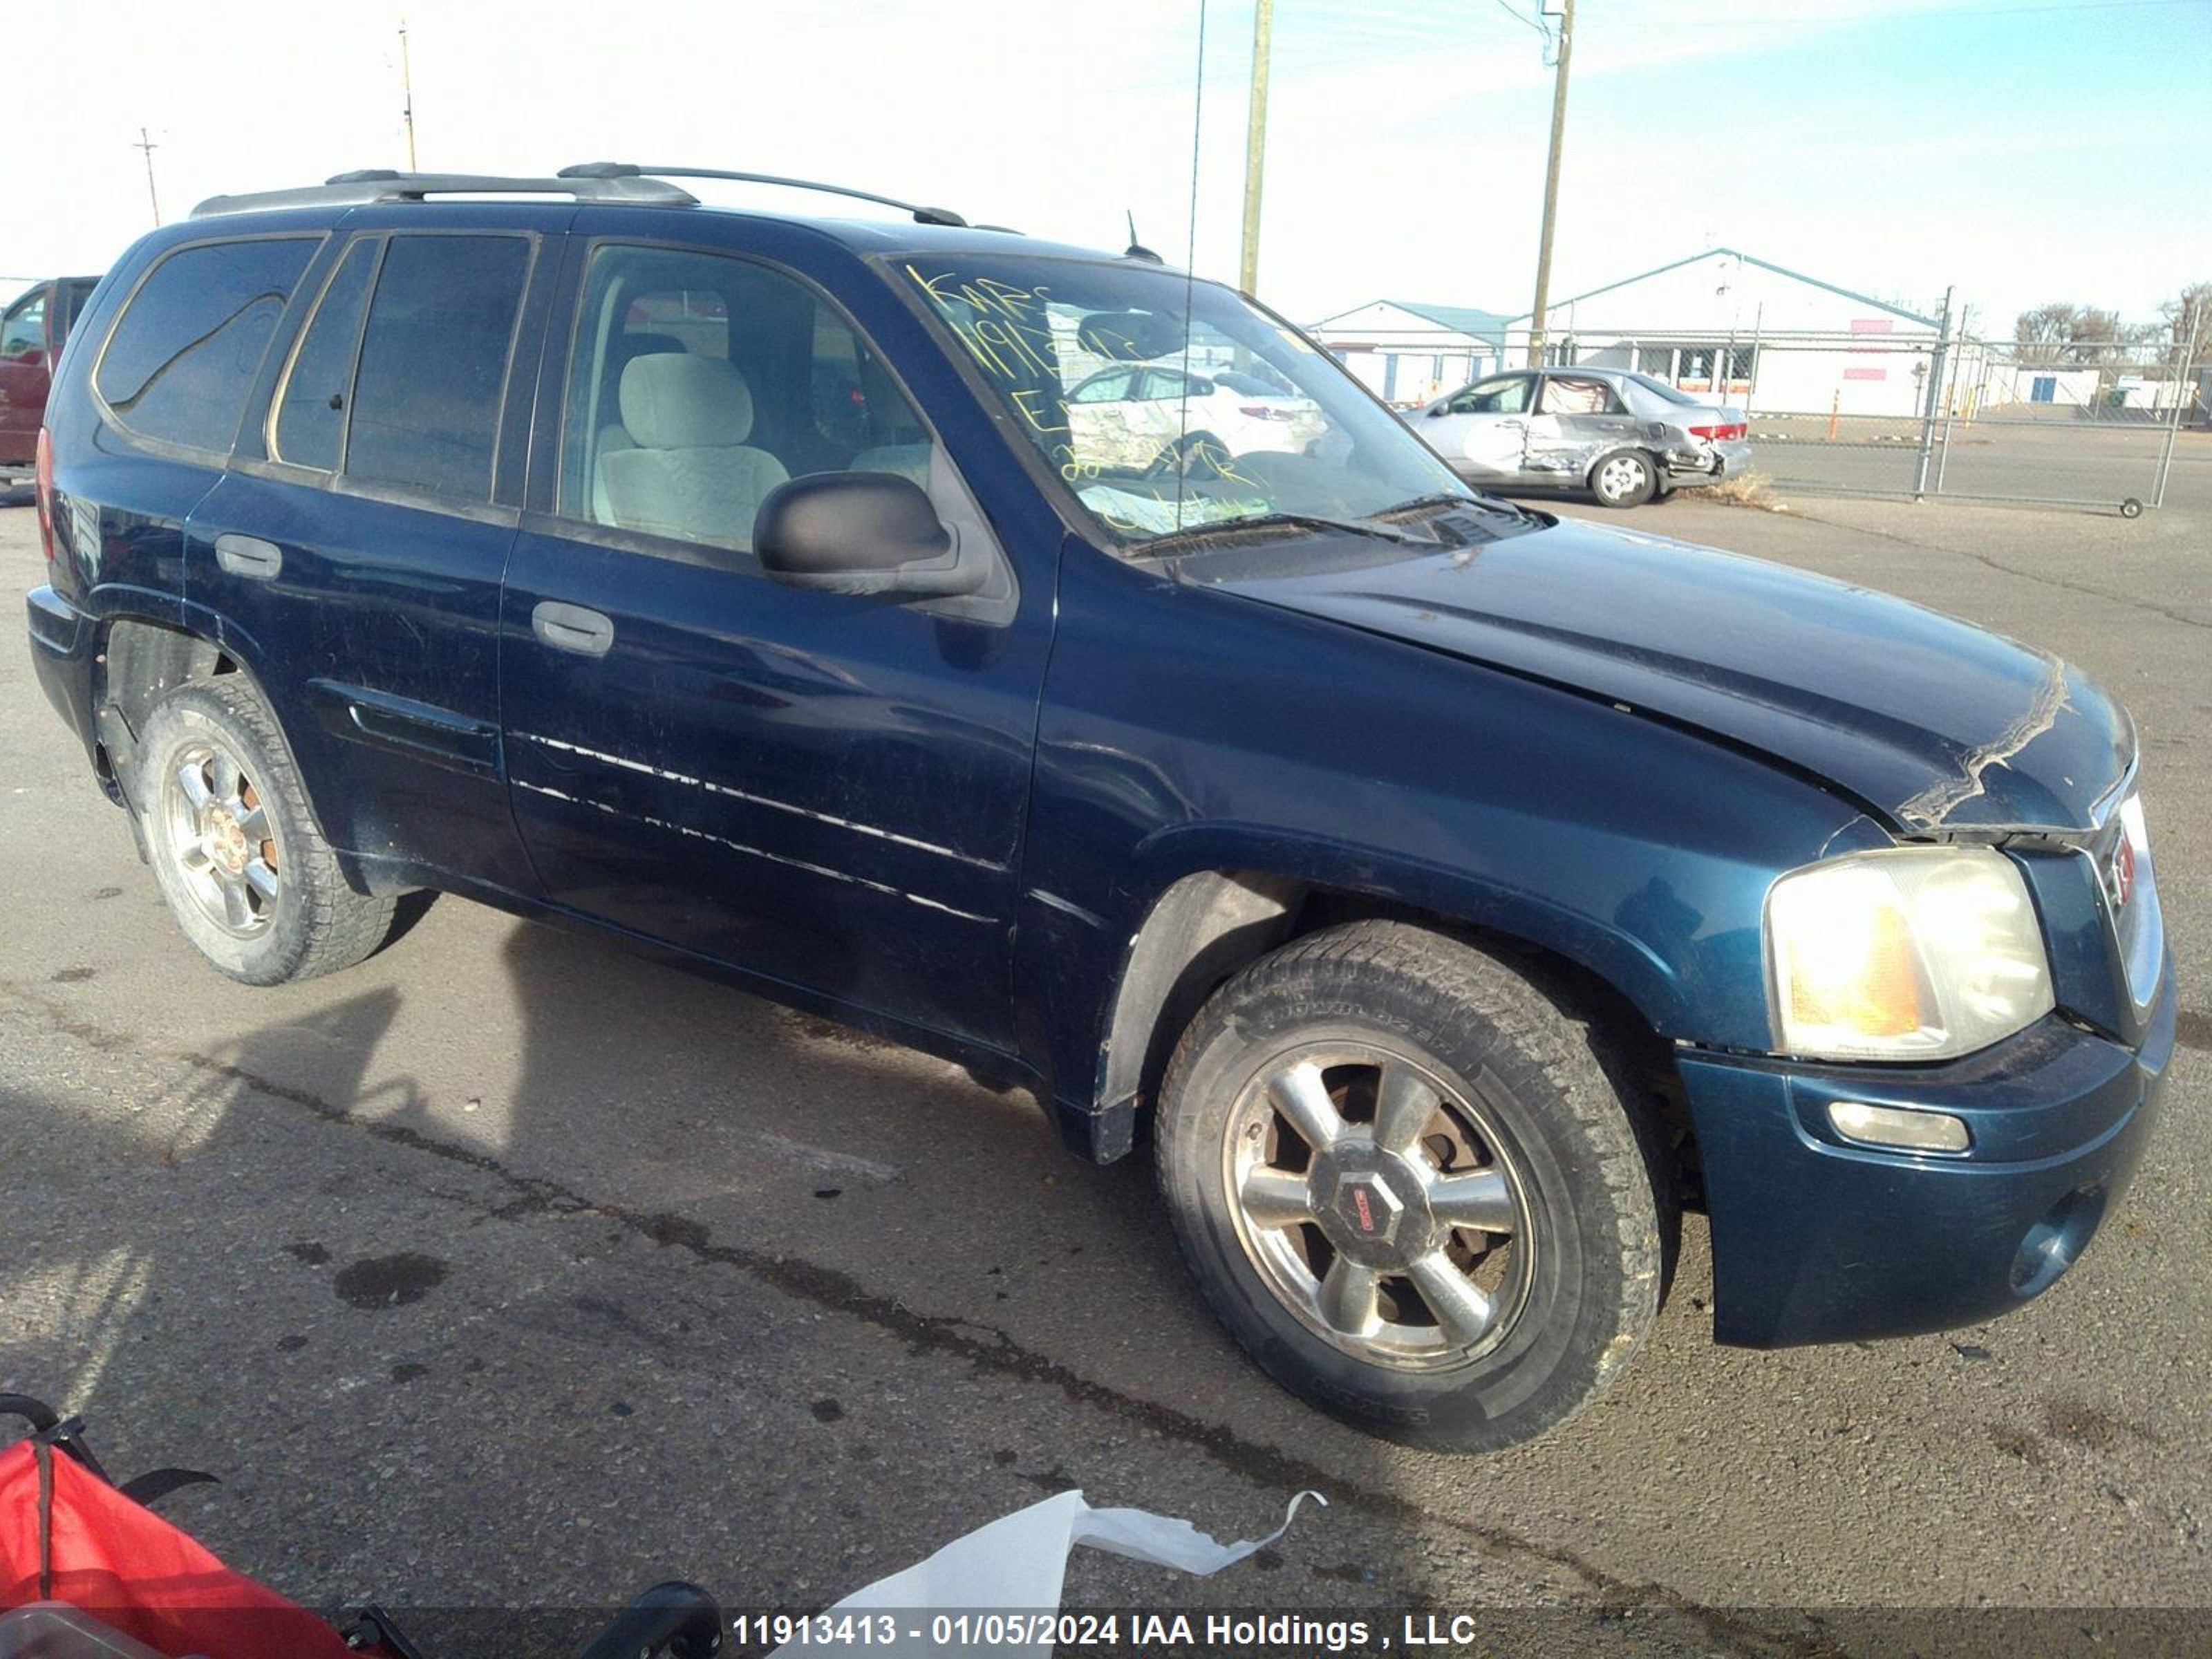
x=227, y=841
x=1371, y=1206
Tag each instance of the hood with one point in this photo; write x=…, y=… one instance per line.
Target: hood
x=1937, y=724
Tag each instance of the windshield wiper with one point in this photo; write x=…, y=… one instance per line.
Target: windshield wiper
x=1448, y=498
x=1290, y=521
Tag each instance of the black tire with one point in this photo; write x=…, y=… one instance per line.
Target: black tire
x=1625, y=478
x=1599, y=1210
x=309, y=921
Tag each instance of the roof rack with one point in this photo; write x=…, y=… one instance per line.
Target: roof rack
x=614, y=171
x=382, y=185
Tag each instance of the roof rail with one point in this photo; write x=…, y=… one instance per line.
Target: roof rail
x=614, y=171
x=382, y=185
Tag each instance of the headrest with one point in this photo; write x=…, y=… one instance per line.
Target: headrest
x=626, y=348
x=677, y=401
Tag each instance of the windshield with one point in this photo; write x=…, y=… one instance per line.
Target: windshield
x=1167, y=404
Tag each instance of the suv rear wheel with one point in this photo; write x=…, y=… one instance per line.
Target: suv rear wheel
x=246, y=873
x=1407, y=1184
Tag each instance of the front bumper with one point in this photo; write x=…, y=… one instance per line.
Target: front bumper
x=1819, y=1240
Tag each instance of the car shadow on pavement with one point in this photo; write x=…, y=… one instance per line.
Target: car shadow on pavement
x=745, y=1261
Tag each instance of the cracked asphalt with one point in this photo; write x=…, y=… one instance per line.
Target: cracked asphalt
x=508, y=1270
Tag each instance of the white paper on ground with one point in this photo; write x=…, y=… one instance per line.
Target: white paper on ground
x=1020, y=1561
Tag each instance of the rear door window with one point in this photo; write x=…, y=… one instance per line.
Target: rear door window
x=72, y=297
x=182, y=362
x=311, y=409
x=1155, y=384
x=1579, y=394
x=1111, y=387
x=432, y=364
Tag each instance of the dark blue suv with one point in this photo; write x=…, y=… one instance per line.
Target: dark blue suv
x=1058, y=662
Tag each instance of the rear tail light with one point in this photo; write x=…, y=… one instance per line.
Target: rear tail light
x=1266, y=412
x=45, y=492
x=1719, y=434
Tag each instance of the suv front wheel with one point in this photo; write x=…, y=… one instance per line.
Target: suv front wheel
x=245, y=872
x=1407, y=1183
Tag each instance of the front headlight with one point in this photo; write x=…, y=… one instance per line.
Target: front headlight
x=1914, y=953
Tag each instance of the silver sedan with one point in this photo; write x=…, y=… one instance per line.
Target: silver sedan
x=1623, y=436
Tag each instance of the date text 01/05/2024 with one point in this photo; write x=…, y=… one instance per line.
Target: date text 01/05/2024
x=1241, y=1632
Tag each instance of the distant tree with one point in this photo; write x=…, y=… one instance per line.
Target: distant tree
x=2189, y=318
x=2064, y=332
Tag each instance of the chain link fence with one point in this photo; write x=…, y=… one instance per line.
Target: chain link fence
x=1892, y=410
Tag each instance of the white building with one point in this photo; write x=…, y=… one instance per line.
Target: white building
x=1733, y=325
x=1722, y=322
x=1408, y=354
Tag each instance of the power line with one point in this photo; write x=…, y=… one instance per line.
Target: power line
x=1523, y=17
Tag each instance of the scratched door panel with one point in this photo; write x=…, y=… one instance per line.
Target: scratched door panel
x=824, y=790
x=1482, y=430
x=1579, y=418
x=377, y=625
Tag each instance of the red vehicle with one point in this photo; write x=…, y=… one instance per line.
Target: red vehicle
x=32, y=330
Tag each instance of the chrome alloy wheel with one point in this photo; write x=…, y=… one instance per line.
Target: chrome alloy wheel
x=222, y=840
x=1378, y=1206
x=1620, y=478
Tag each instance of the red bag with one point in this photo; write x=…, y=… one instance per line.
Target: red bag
x=68, y=1536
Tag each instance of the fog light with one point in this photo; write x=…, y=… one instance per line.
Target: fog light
x=1894, y=1125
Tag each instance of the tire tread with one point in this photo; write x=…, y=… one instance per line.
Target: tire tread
x=1563, y=1056
x=343, y=926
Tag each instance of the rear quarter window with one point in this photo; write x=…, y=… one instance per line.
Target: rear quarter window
x=433, y=363
x=181, y=362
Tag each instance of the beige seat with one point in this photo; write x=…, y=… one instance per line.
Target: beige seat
x=691, y=473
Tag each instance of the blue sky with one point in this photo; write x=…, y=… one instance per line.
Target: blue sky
x=2023, y=151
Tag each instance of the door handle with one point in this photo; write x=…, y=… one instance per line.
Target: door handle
x=571, y=627
x=249, y=556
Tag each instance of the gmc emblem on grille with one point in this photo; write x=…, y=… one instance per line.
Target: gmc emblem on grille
x=2120, y=879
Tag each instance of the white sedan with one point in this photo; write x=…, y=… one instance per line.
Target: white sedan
x=1137, y=415
x=1623, y=436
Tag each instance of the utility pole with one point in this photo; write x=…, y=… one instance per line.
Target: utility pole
x=147, y=144
x=407, y=92
x=1537, y=319
x=1255, y=143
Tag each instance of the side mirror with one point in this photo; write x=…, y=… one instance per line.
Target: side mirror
x=862, y=533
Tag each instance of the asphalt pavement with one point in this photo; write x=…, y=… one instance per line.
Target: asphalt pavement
x=509, y=1270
